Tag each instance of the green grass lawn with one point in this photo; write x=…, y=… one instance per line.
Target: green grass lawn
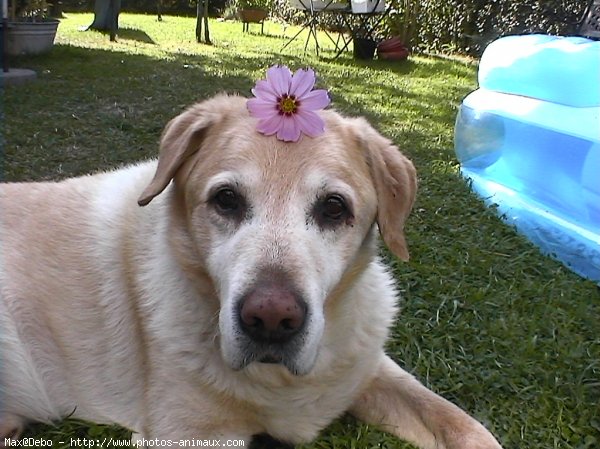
x=506, y=333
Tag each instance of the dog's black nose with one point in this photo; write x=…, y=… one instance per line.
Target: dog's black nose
x=272, y=313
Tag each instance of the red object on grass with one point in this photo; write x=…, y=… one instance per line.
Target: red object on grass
x=392, y=49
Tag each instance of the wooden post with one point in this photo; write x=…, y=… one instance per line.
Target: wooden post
x=198, y=21
x=206, y=32
x=202, y=18
x=115, y=6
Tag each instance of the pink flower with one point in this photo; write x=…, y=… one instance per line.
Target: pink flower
x=285, y=104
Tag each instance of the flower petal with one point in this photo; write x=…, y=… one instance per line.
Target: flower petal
x=302, y=82
x=290, y=129
x=317, y=99
x=310, y=123
x=280, y=78
x=265, y=91
x=261, y=108
x=270, y=125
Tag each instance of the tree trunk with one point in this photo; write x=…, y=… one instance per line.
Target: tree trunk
x=106, y=16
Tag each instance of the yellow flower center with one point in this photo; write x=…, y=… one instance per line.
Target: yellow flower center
x=288, y=105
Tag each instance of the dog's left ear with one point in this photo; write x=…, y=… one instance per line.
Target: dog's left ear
x=395, y=180
x=181, y=138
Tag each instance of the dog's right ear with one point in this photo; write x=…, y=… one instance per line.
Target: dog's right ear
x=181, y=138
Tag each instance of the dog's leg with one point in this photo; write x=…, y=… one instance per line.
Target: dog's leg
x=397, y=403
x=11, y=428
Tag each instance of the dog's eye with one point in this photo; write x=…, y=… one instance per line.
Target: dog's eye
x=227, y=202
x=332, y=211
x=334, y=208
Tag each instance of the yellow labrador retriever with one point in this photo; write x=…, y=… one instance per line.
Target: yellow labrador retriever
x=245, y=298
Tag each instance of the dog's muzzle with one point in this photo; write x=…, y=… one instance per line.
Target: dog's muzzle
x=272, y=318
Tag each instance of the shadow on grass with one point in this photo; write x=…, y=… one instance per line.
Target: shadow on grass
x=96, y=109
x=131, y=34
x=255, y=30
x=134, y=34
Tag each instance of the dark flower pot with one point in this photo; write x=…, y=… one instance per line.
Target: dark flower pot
x=364, y=48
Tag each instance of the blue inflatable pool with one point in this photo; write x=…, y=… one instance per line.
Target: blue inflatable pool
x=529, y=141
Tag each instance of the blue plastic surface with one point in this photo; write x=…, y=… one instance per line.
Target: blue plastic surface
x=538, y=159
x=564, y=70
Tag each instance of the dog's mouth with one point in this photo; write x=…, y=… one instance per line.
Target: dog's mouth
x=282, y=358
x=271, y=360
x=286, y=356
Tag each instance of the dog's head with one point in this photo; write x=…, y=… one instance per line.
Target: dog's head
x=281, y=228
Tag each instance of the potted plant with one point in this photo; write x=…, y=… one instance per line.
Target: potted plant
x=363, y=42
x=364, y=47
x=253, y=11
x=29, y=29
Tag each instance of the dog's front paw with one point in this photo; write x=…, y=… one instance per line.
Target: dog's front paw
x=476, y=437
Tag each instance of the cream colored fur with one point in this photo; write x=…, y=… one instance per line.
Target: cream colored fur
x=116, y=313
